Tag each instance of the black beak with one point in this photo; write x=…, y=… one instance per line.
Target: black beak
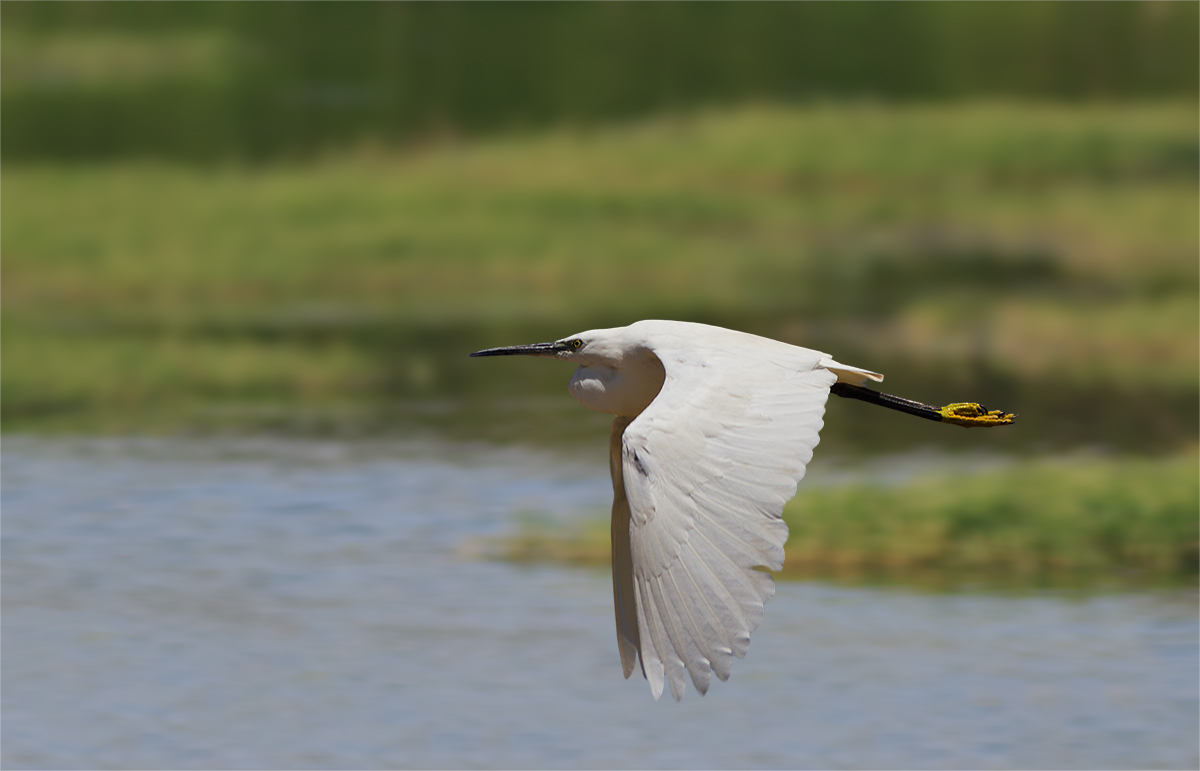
x=537, y=349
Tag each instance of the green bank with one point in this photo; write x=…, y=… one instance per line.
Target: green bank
x=1064, y=521
x=1040, y=257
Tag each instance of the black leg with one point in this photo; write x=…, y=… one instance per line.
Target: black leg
x=961, y=414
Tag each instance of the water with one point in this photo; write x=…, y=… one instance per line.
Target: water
x=242, y=604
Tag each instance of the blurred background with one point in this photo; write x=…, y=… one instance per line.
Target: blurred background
x=247, y=247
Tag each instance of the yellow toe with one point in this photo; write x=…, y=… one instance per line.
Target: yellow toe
x=969, y=415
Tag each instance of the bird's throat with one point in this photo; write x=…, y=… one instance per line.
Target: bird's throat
x=623, y=390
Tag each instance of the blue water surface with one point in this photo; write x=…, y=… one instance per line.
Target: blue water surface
x=179, y=603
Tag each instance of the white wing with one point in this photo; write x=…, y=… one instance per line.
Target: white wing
x=703, y=475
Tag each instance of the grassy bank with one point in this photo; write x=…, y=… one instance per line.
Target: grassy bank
x=1038, y=244
x=1056, y=520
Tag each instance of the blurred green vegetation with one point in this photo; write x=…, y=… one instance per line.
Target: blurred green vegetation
x=1099, y=515
x=205, y=81
x=282, y=214
x=302, y=216
x=1041, y=257
x=1054, y=521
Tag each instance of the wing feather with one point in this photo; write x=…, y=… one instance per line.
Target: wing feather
x=709, y=610
x=696, y=637
x=747, y=590
x=705, y=471
x=651, y=629
x=667, y=612
x=624, y=603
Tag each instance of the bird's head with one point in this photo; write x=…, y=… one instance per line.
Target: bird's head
x=617, y=373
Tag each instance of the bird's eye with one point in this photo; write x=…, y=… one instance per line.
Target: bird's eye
x=577, y=343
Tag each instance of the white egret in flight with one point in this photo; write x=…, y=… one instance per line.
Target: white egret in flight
x=712, y=432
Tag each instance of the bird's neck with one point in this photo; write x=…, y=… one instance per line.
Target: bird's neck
x=624, y=390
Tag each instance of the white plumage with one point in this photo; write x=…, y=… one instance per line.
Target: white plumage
x=713, y=431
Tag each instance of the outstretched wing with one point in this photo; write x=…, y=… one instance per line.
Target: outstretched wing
x=703, y=475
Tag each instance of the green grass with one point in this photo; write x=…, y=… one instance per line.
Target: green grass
x=1057, y=520
x=1042, y=243
x=1135, y=515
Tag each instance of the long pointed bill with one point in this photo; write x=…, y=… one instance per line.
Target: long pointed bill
x=548, y=350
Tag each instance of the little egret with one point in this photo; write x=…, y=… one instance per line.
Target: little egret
x=712, y=432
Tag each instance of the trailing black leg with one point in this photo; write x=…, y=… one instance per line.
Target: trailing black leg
x=966, y=414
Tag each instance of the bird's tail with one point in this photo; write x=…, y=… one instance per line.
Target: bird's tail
x=850, y=375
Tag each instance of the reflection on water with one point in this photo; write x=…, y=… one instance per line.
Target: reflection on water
x=255, y=604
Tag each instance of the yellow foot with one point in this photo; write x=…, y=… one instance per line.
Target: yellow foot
x=969, y=414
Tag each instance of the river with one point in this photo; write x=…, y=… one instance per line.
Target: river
x=250, y=603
